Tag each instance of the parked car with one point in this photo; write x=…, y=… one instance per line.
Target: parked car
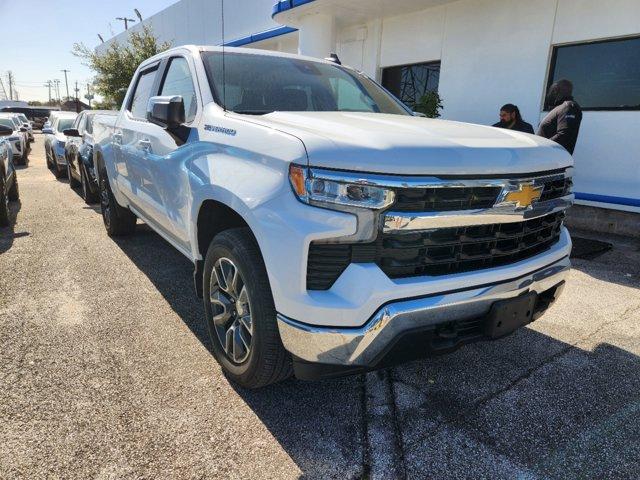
x=8, y=177
x=55, y=141
x=79, y=154
x=18, y=138
x=38, y=115
x=26, y=123
x=331, y=230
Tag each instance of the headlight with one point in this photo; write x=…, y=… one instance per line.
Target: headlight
x=333, y=190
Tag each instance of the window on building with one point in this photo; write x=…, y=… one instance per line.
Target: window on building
x=178, y=81
x=142, y=93
x=410, y=82
x=605, y=75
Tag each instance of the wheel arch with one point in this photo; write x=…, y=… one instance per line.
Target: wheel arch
x=213, y=217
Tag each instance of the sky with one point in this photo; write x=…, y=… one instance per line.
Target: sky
x=40, y=36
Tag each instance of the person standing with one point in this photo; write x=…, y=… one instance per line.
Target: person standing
x=562, y=123
x=511, y=119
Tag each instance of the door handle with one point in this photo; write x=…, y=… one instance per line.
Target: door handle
x=144, y=144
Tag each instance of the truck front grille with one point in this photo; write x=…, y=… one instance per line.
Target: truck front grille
x=437, y=251
x=447, y=199
x=444, y=199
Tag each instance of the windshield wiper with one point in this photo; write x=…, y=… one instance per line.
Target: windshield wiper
x=252, y=112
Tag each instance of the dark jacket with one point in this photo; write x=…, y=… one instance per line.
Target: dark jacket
x=562, y=124
x=519, y=126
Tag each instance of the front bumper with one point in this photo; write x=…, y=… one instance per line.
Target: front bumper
x=365, y=347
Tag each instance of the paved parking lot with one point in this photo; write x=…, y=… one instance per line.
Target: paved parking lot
x=105, y=372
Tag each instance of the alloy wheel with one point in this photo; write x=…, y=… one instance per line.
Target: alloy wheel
x=231, y=311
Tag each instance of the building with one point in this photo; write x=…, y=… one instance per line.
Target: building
x=478, y=54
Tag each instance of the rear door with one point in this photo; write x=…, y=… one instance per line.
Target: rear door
x=130, y=135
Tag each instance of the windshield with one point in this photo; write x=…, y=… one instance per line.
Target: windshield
x=7, y=122
x=259, y=84
x=65, y=123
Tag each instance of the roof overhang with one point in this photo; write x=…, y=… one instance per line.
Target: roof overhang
x=348, y=12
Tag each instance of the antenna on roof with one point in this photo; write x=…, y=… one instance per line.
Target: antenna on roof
x=333, y=58
x=224, y=78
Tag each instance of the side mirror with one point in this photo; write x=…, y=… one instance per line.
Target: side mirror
x=47, y=130
x=23, y=129
x=71, y=132
x=166, y=112
x=5, y=131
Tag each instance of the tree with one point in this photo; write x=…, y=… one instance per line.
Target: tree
x=115, y=67
x=430, y=104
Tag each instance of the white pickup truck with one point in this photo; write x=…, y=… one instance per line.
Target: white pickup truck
x=332, y=231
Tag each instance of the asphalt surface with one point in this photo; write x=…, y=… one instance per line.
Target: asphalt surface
x=105, y=372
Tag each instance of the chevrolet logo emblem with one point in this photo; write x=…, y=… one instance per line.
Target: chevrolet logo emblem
x=526, y=194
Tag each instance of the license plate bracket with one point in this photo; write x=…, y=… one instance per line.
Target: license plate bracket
x=506, y=316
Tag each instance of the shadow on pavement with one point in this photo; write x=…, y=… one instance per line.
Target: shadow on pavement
x=521, y=407
x=8, y=234
x=317, y=424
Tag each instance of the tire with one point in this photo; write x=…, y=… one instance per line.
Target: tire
x=265, y=361
x=47, y=156
x=4, y=201
x=58, y=171
x=14, y=193
x=87, y=195
x=118, y=221
x=73, y=183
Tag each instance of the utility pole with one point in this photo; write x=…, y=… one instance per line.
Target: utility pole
x=10, y=79
x=57, y=83
x=77, y=102
x=66, y=81
x=88, y=96
x=126, y=21
x=3, y=92
x=48, y=85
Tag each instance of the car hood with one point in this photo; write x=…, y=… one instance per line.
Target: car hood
x=408, y=145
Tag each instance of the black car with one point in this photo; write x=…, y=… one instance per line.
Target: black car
x=8, y=177
x=79, y=154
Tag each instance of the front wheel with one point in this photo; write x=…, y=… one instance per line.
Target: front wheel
x=14, y=193
x=240, y=313
x=117, y=220
x=87, y=194
x=73, y=183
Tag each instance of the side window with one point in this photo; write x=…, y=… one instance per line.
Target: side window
x=178, y=81
x=142, y=93
x=80, y=123
x=88, y=124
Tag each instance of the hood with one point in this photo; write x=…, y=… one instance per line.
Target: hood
x=407, y=145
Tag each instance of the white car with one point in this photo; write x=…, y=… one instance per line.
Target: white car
x=55, y=141
x=26, y=123
x=18, y=139
x=331, y=230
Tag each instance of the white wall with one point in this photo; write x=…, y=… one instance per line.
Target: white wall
x=199, y=21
